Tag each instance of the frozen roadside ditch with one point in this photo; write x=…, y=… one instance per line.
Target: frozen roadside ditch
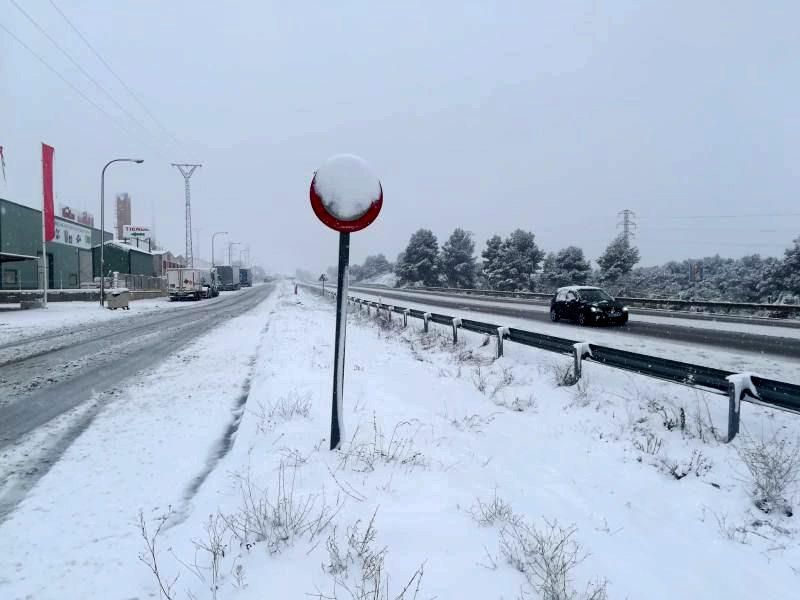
x=461, y=474
x=156, y=437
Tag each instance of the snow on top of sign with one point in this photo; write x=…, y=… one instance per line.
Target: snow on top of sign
x=347, y=186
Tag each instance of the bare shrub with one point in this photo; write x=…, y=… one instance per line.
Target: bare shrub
x=472, y=423
x=519, y=404
x=492, y=512
x=278, y=517
x=479, y=380
x=774, y=468
x=563, y=373
x=581, y=391
x=547, y=557
x=358, y=567
x=150, y=557
x=396, y=449
x=703, y=426
x=285, y=408
x=697, y=463
x=212, y=548
x=650, y=443
x=505, y=380
x=288, y=407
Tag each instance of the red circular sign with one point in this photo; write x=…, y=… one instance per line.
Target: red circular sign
x=327, y=214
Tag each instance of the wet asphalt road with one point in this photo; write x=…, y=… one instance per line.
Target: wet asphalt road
x=772, y=345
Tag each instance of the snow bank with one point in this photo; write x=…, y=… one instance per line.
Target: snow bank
x=347, y=186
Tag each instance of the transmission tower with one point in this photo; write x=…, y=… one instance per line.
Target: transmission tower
x=627, y=223
x=187, y=170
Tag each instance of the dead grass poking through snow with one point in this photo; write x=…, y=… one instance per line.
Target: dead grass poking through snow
x=363, y=453
x=357, y=566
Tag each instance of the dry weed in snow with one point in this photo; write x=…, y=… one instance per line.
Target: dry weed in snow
x=363, y=455
x=774, y=467
x=358, y=568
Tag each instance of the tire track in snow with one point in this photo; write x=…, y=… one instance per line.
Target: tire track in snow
x=224, y=444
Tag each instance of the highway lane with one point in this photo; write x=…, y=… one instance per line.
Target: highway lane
x=48, y=375
x=650, y=313
x=772, y=345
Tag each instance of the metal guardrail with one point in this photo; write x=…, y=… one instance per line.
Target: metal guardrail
x=758, y=390
x=778, y=310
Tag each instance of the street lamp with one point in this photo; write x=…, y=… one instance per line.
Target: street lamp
x=138, y=161
x=212, y=243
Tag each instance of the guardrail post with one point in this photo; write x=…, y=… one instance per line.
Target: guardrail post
x=456, y=325
x=502, y=333
x=389, y=313
x=425, y=318
x=405, y=317
x=580, y=350
x=734, y=410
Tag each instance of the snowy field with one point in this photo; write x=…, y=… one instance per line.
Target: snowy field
x=784, y=369
x=461, y=476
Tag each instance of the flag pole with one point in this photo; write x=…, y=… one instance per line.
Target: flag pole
x=44, y=242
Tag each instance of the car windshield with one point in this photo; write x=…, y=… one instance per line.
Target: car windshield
x=594, y=295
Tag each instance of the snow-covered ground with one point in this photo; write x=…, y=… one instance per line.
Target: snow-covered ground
x=461, y=459
x=16, y=324
x=784, y=369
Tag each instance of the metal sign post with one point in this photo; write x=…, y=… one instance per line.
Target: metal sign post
x=346, y=196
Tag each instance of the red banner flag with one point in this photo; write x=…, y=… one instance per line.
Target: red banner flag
x=47, y=192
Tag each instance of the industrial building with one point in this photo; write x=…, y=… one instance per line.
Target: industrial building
x=73, y=257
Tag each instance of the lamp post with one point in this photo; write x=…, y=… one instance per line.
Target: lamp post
x=212, y=243
x=138, y=161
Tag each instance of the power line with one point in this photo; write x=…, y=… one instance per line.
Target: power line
x=62, y=78
x=78, y=66
x=739, y=216
x=114, y=73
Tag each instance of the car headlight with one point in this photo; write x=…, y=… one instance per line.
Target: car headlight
x=594, y=309
x=624, y=309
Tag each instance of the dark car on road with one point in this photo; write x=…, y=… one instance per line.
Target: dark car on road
x=587, y=306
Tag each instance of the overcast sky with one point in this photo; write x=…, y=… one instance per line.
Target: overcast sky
x=549, y=116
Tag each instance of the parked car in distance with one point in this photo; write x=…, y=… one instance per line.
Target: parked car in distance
x=587, y=306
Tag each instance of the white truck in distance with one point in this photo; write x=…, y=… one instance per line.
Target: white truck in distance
x=191, y=284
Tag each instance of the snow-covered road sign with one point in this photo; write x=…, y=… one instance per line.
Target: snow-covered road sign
x=346, y=196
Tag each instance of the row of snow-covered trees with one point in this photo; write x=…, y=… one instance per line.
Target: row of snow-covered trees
x=373, y=266
x=508, y=264
x=517, y=263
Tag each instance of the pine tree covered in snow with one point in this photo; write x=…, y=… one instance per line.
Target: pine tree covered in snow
x=618, y=259
x=568, y=267
x=518, y=261
x=418, y=264
x=786, y=278
x=458, y=260
x=375, y=265
x=492, y=257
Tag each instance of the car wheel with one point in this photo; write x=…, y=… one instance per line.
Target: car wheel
x=554, y=315
x=582, y=320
